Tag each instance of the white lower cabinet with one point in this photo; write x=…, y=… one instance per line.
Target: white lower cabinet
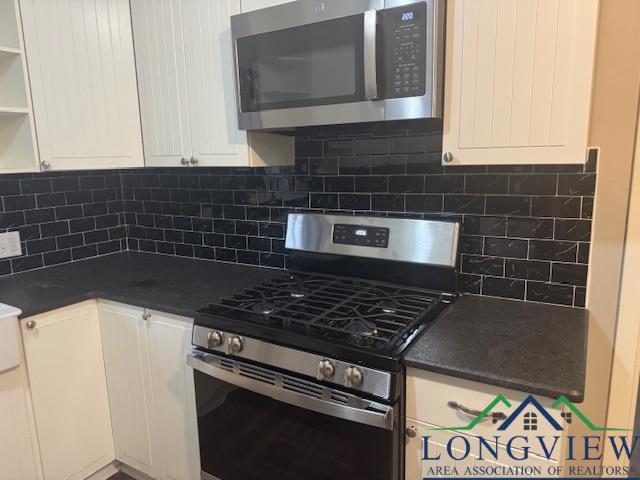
x=174, y=394
x=69, y=391
x=18, y=447
x=151, y=391
x=436, y=401
x=128, y=366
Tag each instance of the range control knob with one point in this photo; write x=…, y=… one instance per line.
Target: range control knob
x=214, y=339
x=353, y=377
x=233, y=345
x=325, y=370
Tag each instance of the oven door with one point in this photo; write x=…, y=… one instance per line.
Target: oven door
x=297, y=65
x=259, y=424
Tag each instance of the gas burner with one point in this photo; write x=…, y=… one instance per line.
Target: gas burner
x=353, y=312
x=361, y=327
x=265, y=308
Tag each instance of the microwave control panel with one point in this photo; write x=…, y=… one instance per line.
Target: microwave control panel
x=405, y=50
x=361, y=235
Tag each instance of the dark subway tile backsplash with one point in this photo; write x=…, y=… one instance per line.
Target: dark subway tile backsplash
x=62, y=217
x=525, y=229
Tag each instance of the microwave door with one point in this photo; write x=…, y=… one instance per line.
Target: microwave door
x=319, y=64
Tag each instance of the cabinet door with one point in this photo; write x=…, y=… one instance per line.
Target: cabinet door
x=174, y=396
x=250, y=5
x=82, y=72
x=518, y=80
x=18, y=450
x=215, y=138
x=128, y=368
x=69, y=391
x=159, y=47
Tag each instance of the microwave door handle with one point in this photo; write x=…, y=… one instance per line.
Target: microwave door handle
x=370, y=40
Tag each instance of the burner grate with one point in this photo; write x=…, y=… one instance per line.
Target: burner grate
x=350, y=311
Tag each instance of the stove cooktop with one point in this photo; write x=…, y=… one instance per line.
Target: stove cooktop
x=359, y=320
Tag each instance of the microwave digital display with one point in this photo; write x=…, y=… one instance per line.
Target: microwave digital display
x=407, y=16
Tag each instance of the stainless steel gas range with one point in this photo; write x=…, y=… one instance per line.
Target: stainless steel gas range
x=302, y=377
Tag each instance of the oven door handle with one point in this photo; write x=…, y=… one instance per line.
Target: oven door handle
x=370, y=55
x=372, y=413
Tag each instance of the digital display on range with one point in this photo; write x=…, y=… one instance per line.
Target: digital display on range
x=361, y=236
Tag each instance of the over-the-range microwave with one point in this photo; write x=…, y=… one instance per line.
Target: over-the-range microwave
x=324, y=62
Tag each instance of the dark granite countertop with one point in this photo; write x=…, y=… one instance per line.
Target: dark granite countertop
x=530, y=347
x=168, y=284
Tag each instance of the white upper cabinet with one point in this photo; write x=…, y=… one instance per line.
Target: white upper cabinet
x=162, y=80
x=215, y=138
x=83, y=81
x=250, y=5
x=184, y=58
x=518, y=80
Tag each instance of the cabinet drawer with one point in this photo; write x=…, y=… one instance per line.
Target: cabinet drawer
x=429, y=395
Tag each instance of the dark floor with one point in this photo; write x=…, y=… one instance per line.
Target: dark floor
x=120, y=476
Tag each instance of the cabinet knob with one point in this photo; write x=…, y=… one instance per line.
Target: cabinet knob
x=146, y=316
x=194, y=161
x=45, y=164
x=31, y=324
x=447, y=157
x=184, y=161
x=411, y=432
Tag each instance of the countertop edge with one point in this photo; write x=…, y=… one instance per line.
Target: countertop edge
x=519, y=385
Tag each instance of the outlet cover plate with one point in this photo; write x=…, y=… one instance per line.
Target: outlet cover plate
x=10, y=245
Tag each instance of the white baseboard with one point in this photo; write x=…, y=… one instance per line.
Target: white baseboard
x=105, y=472
x=132, y=472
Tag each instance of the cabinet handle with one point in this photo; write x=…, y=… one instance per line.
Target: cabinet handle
x=31, y=324
x=45, y=164
x=184, y=161
x=447, y=157
x=474, y=413
x=411, y=432
x=194, y=161
x=146, y=316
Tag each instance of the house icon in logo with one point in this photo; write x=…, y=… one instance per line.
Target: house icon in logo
x=530, y=418
x=532, y=412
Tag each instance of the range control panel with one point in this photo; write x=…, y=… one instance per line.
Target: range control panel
x=361, y=236
x=405, y=45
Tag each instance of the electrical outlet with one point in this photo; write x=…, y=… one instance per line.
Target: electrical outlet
x=10, y=245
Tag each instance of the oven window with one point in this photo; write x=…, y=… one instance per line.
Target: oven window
x=317, y=64
x=246, y=436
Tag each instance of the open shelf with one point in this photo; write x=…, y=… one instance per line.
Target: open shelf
x=17, y=151
x=10, y=50
x=19, y=110
x=13, y=92
x=9, y=34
